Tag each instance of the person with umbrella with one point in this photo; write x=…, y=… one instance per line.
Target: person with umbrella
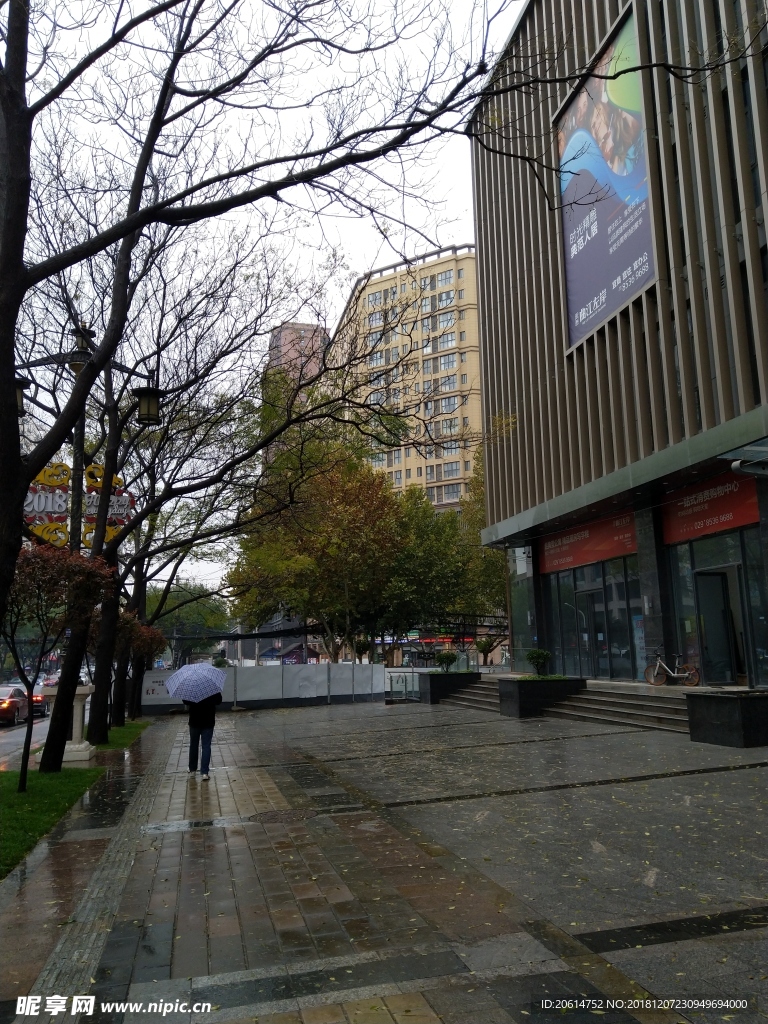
x=199, y=686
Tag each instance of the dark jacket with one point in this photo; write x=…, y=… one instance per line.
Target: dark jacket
x=202, y=713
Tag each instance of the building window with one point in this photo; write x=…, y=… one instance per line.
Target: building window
x=448, y=340
x=451, y=426
x=445, y=277
x=376, y=359
x=462, y=313
x=448, y=362
x=461, y=273
x=444, y=298
x=402, y=287
x=463, y=378
x=408, y=452
x=461, y=293
x=425, y=304
x=446, y=319
x=407, y=474
x=463, y=355
x=429, y=408
x=451, y=469
x=465, y=400
x=397, y=456
x=374, y=299
x=374, y=319
x=452, y=492
x=398, y=478
x=377, y=460
x=449, y=404
x=425, y=324
x=431, y=494
x=395, y=354
x=466, y=421
x=430, y=473
x=462, y=335
x=438, y=495
x=450, y=447
x=467, y=466
x=427, y=387
x=389, y=477
x=418, y=471
x=448, y=384
x=429, y=452
x=426, y=366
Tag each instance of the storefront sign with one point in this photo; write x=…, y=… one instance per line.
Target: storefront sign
x=593, y=542
x=605, y=205
x=724, y=503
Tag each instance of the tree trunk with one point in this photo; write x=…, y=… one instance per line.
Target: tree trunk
x=98, y=720
x=119, y=688
x=22, y=788
x=61, y=715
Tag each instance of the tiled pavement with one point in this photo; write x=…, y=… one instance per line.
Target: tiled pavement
x=370, y=863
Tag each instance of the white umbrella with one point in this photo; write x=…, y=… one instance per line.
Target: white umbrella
x=194, y=683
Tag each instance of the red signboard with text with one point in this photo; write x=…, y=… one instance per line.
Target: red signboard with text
x=593, y=542
x=724, y=503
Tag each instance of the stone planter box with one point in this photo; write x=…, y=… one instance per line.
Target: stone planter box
x=433, y=686
x=730, y=718
x=525, y=698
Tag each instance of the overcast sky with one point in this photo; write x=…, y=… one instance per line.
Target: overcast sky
x=446, y=182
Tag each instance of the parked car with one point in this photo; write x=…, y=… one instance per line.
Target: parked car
x=39, y=703
x=13, y=704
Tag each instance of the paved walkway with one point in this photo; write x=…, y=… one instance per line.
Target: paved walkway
x=373, y=864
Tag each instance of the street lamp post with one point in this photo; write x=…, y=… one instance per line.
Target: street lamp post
x=22, y=383
x=76, y=360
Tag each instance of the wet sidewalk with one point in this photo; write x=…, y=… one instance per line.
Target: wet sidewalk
x=368, y=864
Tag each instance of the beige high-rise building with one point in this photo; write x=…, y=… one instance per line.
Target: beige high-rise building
x=418, y=322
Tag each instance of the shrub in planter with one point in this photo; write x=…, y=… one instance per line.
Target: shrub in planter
x=445, y=659
x=538, y=658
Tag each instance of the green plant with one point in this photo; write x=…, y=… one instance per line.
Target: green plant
x=445, y=659
x=219, y=662
x=538, y=658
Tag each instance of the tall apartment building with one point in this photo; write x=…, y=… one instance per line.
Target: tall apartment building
x=298, y=348
x=418, y=322
x=626, y=329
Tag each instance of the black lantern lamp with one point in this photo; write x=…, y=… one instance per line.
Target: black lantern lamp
x=79, y=356
x=149, y=405
x=22, y=383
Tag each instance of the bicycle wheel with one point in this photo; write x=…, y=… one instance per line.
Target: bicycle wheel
x=655, y=676
x=693, y=676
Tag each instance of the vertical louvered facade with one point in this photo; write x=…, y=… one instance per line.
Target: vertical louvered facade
x=648, y=402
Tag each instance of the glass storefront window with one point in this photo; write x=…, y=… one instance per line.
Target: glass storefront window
x=719, y=549
x=636, y=617
x=685, y=605
x=571, y=666
x=618, y=620
x=587, y=577
x=757, y=597
x=522, y=607
x=552, y=605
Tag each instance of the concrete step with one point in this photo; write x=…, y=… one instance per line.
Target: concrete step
x=478, y=703
x=631, y=697
x=607, y=701
x=638, y=721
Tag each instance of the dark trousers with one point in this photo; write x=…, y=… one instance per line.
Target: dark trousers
x=195, y=736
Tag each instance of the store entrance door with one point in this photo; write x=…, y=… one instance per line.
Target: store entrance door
x=720, y=616
x=593, y=637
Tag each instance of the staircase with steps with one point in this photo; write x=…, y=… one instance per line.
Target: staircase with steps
x=646, y=707
x=483, y=696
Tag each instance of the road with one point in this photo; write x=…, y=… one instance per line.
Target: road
x=12, y=740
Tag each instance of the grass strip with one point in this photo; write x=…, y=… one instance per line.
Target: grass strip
x=27, y=817
x=122, y=736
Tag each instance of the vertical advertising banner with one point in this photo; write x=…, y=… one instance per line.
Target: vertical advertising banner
x=604, y=189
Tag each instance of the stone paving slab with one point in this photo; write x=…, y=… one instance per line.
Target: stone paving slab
x=298, y=886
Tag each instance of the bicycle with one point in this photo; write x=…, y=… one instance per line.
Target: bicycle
x=658, y=674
